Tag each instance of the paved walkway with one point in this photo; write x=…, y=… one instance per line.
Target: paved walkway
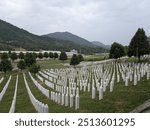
x=146, y=111
x=144, y=108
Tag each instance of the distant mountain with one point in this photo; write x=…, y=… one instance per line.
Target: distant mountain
x=101, y=45
x=70, y=37
x=12, y=37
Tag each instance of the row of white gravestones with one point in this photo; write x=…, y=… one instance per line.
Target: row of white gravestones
x=52, y=74
x=40, y=87
x=63, y=99
x=1, y=80
x=49, y=84
x=12, y=108
x=43, y=74
x=39, y=106
x=49, y=76
x=40, y=78
x=5, y=88
x=136, y=73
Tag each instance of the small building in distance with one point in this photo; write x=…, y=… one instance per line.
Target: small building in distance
x=69, y=54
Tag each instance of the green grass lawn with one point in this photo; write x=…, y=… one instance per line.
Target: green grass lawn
x=52, y=64
x=95, y=58
x=23, y=103
x=6, y=101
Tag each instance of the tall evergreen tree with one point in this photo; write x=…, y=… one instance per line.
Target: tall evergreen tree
x=63, y=56
x=139, y=44
x=116, y=51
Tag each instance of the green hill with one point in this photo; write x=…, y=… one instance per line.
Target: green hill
x=12, y=37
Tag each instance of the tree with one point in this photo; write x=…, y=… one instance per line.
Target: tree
x=80, y=57
x=34, y=68
x=13, y=56
x=21, y=64
x=6, y=65
x=51, y=55
x=139, y=44
x=29, y=59
x=40, y=55
x=1, y=67
x=34, y=55
x=55, y=55
x=74, y=60
x=21, y=55
x=4, y=56
x=116, y=51
x=45, y=54
x=126, y=50
x=63, y=56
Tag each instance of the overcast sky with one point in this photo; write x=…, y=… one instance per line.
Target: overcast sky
x=101, y=20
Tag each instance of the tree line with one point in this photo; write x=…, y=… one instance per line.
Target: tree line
x=138, y=46
x=28, y=60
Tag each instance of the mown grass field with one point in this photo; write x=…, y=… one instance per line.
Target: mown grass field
x=122, y=99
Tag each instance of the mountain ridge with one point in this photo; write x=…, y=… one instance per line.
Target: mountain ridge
x=107, y=47
x=14, y=37
x=70, y=37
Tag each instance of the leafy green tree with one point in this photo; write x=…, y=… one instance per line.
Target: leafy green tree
x=63, y=56
x=51, y=55
x=1, y=66
x=40, y=55
x=55, y=55
x=6, y=65
x=34, y=55
x=46, y=55
x=139, y=44
x=34, y=68
x=29, y=59
x=21, y=55
x=74, y=60
x=80, y=57
x=21, y=65
x=116, y=51
x=13, y=56
x=4, y=56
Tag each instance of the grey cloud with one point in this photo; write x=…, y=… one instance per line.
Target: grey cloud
x=103, y=20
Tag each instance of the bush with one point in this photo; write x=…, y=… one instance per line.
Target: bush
x=21, y=64
x=34, y=68
x=6, y=65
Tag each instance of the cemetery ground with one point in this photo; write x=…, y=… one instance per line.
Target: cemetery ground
x=121, y=99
